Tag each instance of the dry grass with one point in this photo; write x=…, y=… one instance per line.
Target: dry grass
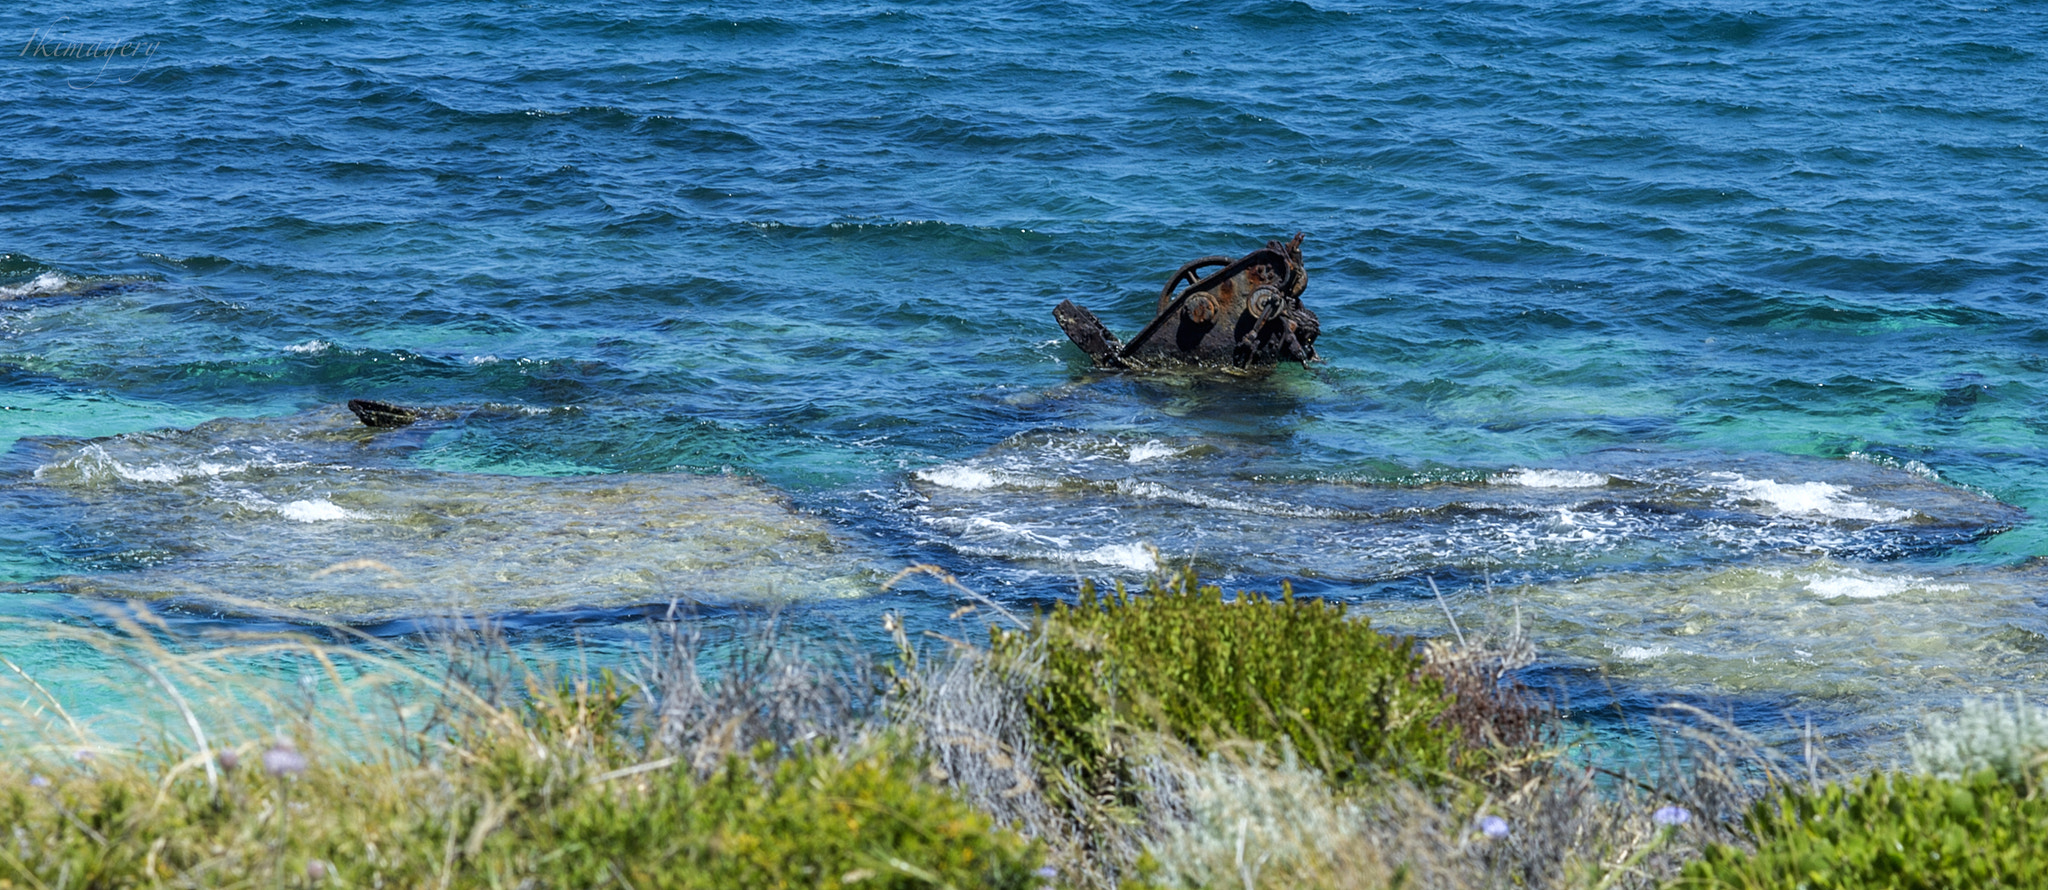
x=765, y=690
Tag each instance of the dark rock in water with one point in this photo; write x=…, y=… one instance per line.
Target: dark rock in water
x=1246, y=314
x=381, y=415
x=1962, y=395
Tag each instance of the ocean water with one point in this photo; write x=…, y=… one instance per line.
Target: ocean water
x=1704, y=339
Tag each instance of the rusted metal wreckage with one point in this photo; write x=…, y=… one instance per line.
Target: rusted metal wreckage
x=1246, y=314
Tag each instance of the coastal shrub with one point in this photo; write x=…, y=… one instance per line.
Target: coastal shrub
x=2011, y=741
x=552, y=792
x=1179, y=659
x=1886, y=830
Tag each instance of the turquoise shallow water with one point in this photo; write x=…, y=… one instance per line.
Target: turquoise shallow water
x=1707, y=338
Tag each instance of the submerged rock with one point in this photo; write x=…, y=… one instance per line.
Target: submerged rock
x=312, y=513
x=381, y=415
x=53, y=284
x=1861, y=649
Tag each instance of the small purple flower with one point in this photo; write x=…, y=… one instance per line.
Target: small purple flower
x=1493, y=826
x=316, y=870
x=229, y=759
x=284, y=760
x=38, y=782
x=83, y=754
x=1672, y=815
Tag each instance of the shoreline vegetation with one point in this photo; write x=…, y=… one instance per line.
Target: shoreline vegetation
x=1169, y=737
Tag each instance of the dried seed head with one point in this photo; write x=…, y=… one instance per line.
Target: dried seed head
x=284, y=760
x=1671, y=815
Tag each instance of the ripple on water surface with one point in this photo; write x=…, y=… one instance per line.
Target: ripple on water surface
x=1060, y=501
x=1872, y=645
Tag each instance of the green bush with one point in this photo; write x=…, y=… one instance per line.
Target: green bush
x=1179, y=659
x=1887, y=830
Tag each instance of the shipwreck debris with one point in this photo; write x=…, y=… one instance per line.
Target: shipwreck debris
x=1246, y=314
x=387, y=416
x=381, y=415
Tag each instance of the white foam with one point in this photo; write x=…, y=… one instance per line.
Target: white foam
x=962, y=478
x=164, y=473
x=173, y=473
x=1003, y=529
x=1911, y=466
x=1811, y=498
x=1561, y=529
x=1528, y=478
x=1855, y=585
x=322, y=510
x=483, y=359
x=93, y=462
x=1156, y=491
x=46, y=283
x=1005, y=538
x=1640, y=653
x=1151, y=451
x=310, y=347
x=1136, y=557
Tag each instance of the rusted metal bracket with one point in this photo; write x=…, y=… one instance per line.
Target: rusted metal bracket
x=1247, y=314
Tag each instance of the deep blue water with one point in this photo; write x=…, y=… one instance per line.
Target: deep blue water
x=1707, y=337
